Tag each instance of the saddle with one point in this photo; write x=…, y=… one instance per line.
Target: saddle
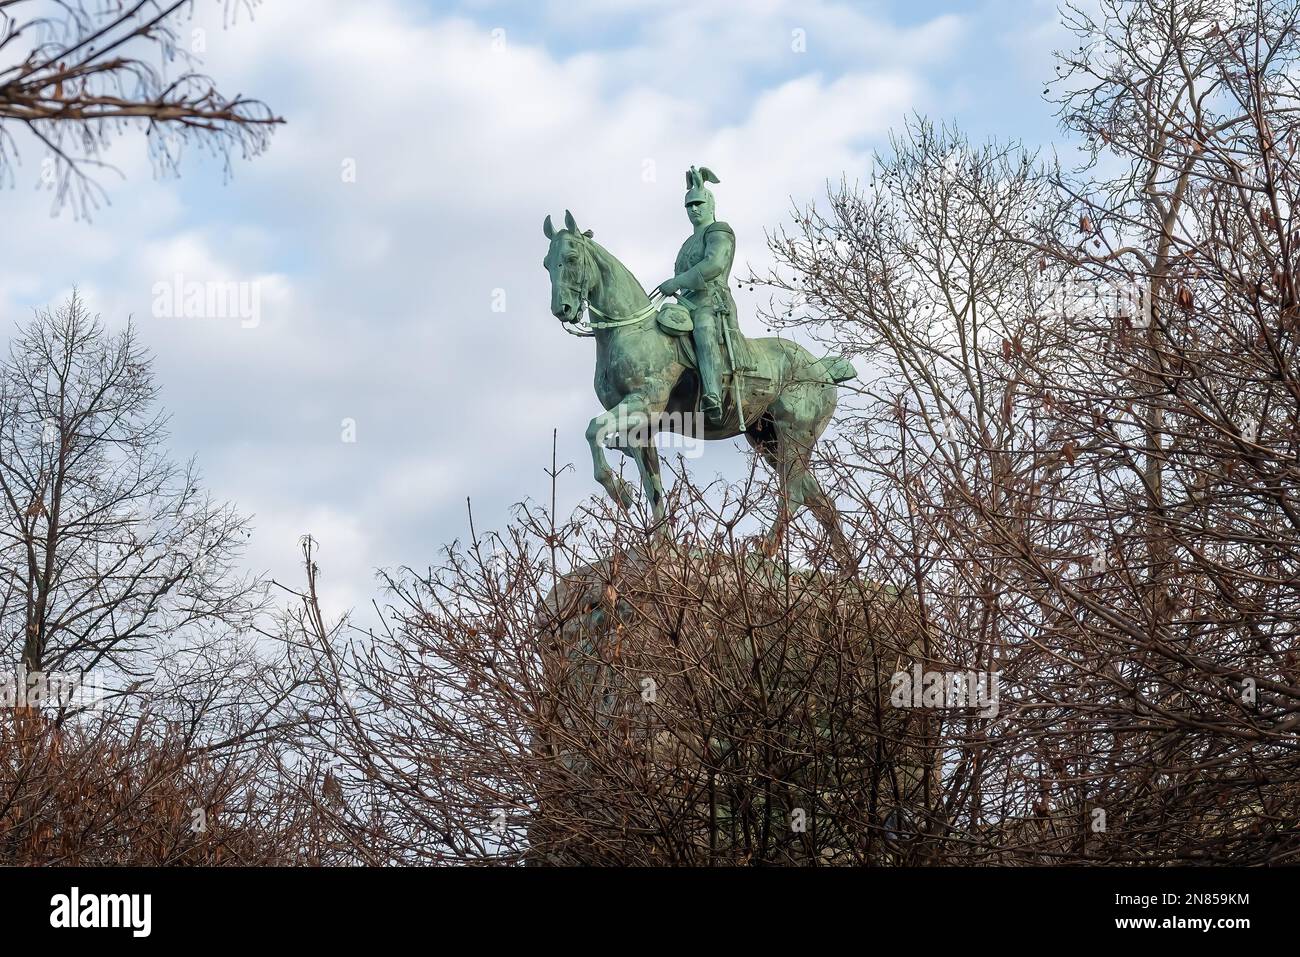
x=675, y=320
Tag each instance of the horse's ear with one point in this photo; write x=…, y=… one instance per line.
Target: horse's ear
x=569, y=223
x=548, y=229
x=589, y=233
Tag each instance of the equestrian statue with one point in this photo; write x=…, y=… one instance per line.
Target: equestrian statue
x=684, y=365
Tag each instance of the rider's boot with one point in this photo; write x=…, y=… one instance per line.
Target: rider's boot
x=712, y=406
x=709, y=358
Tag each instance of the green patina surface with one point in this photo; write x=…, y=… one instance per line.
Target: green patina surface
x=713, y=383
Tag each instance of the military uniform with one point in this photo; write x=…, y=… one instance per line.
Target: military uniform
x=703, y=271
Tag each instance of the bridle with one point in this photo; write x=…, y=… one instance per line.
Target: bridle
x=577, y=327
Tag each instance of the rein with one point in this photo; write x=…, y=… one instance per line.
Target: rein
x=606, y=321
x=592, y=326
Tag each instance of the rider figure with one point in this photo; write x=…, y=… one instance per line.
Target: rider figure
x=703, y=272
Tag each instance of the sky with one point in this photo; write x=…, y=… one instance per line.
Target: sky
x=401, y=355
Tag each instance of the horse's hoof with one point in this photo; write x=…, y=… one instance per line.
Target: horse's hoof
x=623, y=494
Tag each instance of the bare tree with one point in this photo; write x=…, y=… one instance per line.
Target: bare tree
x=110, y=553
x=122, y=787
x=585, y=693
x=144, y=717
x=75, y=74
x=1108, y=509
x=1073, y=468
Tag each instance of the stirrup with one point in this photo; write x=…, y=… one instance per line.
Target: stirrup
x=712, y=406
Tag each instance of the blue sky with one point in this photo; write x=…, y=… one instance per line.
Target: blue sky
x=466, y=123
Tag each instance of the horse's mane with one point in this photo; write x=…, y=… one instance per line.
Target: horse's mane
x=616, y=266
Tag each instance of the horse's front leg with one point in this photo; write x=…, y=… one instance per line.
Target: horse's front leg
x=620, y=424
x=647, y=461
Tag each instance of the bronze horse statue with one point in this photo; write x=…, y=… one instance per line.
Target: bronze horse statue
x=647, y=382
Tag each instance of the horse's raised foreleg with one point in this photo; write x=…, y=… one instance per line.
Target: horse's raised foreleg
x=620, y=425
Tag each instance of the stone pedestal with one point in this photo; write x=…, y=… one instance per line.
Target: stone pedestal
x=716, y=707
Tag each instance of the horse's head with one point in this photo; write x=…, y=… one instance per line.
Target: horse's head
x=572, y=267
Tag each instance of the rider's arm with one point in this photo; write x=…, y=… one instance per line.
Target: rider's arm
x=717, y=251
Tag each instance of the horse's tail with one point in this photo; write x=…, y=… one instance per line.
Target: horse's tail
x=835, y=369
